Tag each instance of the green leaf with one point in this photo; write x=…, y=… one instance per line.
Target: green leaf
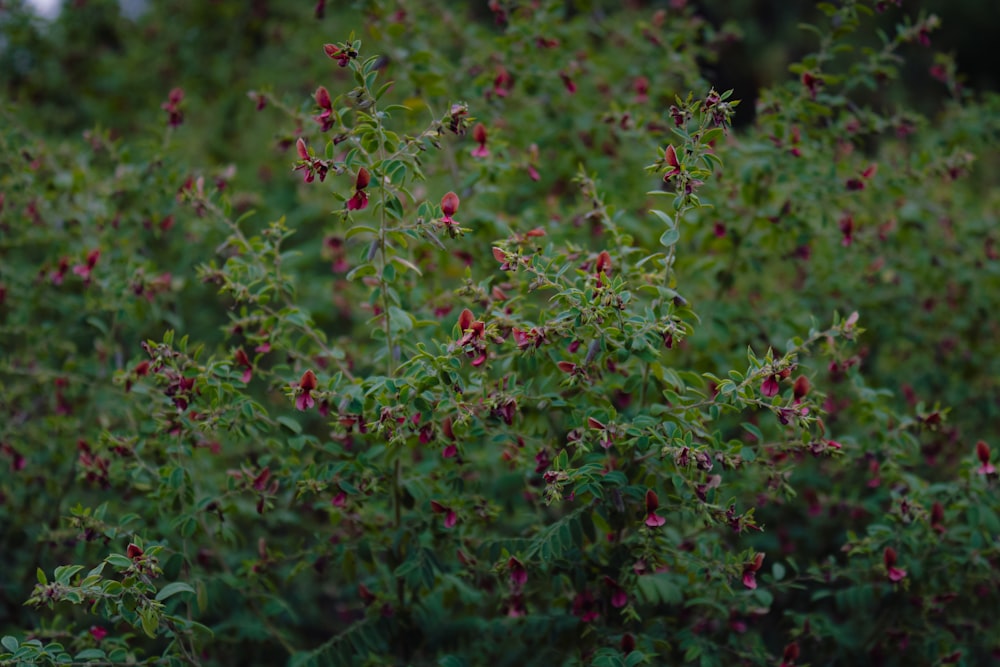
x=362, y=271
x=90, y=654
x=118, y=560
x=664, y=218
x=9, y=643
x=290, y=424
x=406, y=264
x=753, y=430
x=670, y=237
x=173, y=588
x=149, y=622
x=64, y=573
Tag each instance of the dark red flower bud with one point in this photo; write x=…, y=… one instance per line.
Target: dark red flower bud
x=603, y=263
x=449, y=206
x=983, y=453
x=308, y=381
x=670, y=155
x=323, y=100
x=790, y=654
x=801, y=387
x=362, y=180
x=133, y=551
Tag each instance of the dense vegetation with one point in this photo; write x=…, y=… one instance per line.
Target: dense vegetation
x=496, y=333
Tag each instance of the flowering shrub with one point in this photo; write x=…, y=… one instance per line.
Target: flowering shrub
x=526, y=367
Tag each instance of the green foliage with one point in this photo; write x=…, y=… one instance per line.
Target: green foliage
x=506, y=350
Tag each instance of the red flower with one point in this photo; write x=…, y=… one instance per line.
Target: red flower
x=801, y=387
x=307, y=384
x=243, y=360
x=790, y=655
x=889, y=559
x=641, y=87
x=173, y=107
x=653, y=520
x=479, y=134
x=750, y=571
x=84, y=270
x=472, y=330
x=323, y=101
x=518, y=575
x=603, y=263
x=983, y=453
x=670, y=157
x=449, y=206
x=133, y=551
x=812, y=82
x=937, y=518
x=503, y=82
x=585, y=607
x=619, y=598
x=568, y=82
x=341, y=55
x=358, y=201
x=360, y=198
x=450, y=518
x=98, y=633
x=770, y=386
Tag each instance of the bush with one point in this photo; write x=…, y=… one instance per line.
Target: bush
x=520, y=361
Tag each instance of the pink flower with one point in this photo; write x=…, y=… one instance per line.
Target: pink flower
x=770, y=386
x=889, y=559
x=653, y=520
x=479, y=134
x=585, y=607
x=84, y=270
x=518, y=575
x=98, y=633
x=450, y=517
x=307, y=384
